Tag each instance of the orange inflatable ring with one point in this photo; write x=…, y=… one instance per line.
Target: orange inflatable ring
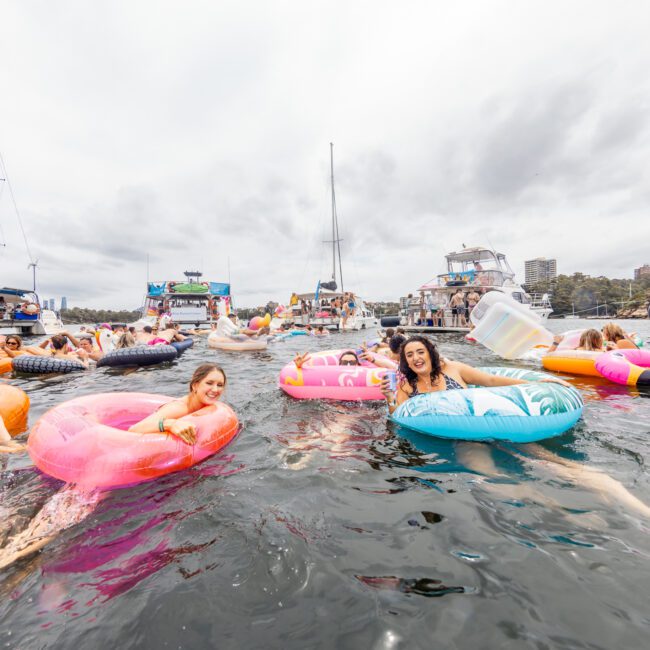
x=5, y=362
x=14, y=405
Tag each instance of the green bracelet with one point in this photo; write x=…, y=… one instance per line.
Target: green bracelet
x=161, y=425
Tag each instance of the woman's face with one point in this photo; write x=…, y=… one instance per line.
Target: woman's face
x=12, y=343
x=210, y=388
x=348, y=360
x=417, y=358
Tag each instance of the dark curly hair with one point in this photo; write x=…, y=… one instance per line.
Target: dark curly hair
x=436, y=367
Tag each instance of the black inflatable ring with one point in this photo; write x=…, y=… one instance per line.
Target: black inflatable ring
x=140, y=355
x=42, y=365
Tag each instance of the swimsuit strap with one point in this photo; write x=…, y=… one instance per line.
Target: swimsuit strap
x=451, y=383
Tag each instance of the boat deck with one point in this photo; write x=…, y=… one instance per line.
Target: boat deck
x=424, y=329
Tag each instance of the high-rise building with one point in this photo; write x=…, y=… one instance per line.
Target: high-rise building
x=642, y=272
x=52, y=305
x=64, y=303
x=540, y=270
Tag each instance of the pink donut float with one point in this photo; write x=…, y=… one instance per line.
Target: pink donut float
x=626, y=367
x=85, y=440
x=321, y=377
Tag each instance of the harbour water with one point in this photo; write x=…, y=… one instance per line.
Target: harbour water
x=324, y=526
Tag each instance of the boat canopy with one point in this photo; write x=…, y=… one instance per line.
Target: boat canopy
x=177, y=287
x=17, y=295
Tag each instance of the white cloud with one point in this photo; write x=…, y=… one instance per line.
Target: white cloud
x=199, y=132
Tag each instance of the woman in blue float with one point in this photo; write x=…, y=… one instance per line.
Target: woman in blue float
x=425, y=372
x=496, y=407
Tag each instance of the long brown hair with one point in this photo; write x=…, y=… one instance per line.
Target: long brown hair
x=203, y=371
x=591, y=340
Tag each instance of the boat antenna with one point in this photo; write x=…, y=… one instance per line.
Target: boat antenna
x=336, y=241
x=20, y=221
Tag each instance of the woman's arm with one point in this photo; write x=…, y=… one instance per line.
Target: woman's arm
x=479, y=378
x=70, y=338
x=167, y=419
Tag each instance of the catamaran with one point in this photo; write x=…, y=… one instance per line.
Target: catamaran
x=320, y=310
x=470, y=270
x=21, y=313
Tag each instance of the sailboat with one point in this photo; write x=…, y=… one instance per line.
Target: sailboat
x=316, y=308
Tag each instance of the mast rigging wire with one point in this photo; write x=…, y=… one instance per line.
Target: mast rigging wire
x=13, y=200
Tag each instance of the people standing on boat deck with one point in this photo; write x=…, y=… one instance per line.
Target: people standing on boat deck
x=457, y=304
x=472, y=299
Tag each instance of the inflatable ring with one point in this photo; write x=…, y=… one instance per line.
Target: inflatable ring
x=235, y=345
x=139, y=355
x=85, y=440
x=626, y=367
x=520, y=413
x=573, y=362
x=181, y=346
x=321, y=377
x=30, y=308
x=44, y=365
x=14, y=405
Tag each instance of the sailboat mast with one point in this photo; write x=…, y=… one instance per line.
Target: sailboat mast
x=336, y=242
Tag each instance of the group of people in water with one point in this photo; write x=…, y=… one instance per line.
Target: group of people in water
x=420, y=369
x=610, y=337
x=85, y=346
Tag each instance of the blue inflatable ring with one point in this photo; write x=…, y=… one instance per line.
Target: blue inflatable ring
x=520, y=413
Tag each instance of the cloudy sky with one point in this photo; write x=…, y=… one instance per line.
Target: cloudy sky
x=198, y=131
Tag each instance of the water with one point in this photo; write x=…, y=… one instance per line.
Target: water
x=323, y=526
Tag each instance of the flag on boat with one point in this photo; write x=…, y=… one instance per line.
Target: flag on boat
x=317, y=292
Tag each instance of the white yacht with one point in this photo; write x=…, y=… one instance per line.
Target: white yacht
x=21, y=313
x=470, y=270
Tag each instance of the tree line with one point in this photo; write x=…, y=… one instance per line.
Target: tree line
x=590, y=296
x=80, y=315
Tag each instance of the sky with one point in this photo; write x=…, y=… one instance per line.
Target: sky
x=195, y=135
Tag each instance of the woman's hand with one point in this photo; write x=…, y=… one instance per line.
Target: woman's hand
x=186, y=431
x=386, y=391
x=300, y=359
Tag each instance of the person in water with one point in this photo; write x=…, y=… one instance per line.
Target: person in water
x=616, y=338
x=591, y=341
x=425, y=371
x=206, y=388
x=347, y=358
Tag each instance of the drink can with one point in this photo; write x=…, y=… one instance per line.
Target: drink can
x=392, y=380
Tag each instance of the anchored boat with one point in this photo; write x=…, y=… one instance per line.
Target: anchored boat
x=471, y=272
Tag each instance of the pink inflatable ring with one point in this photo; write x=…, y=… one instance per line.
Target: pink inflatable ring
x=627, y=367
x=85, y=440
x=321, y=377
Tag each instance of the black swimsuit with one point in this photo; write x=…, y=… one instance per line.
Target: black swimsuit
x=450, y=384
